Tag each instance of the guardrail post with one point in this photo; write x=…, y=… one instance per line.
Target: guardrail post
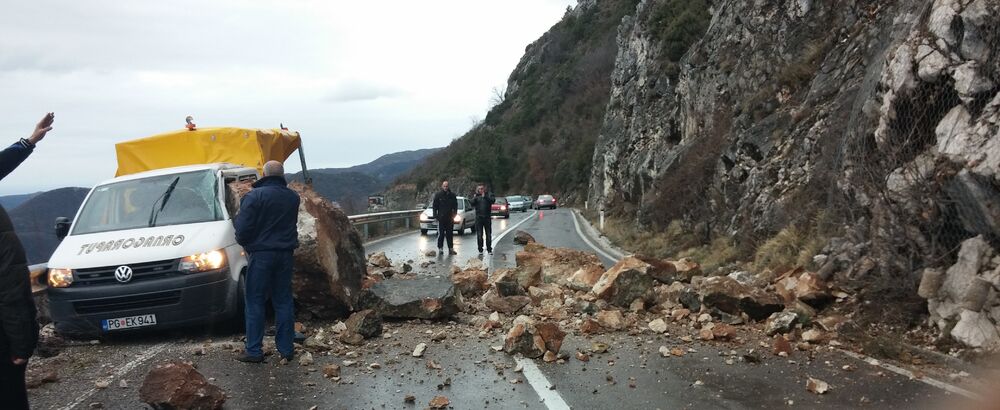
x=407, y=223
x=365, y=230
x=386, y=224
x=602, y=219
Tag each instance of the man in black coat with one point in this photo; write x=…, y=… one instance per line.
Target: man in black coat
x=266, y=228
x=483, y=204
x=18, y=328
x=445, y=208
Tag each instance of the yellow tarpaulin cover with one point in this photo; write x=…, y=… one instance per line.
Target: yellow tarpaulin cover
x=241, y=146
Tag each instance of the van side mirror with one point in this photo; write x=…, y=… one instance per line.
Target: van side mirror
x=62, y=227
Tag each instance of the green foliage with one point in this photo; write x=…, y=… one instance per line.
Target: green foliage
x=541, y=137
x=676, y=25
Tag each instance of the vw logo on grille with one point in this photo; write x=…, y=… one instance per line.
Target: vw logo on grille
x=123, y=274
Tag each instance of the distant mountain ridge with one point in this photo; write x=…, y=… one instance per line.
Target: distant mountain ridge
x=34, y=220
x=351, y=186
x=12, y=201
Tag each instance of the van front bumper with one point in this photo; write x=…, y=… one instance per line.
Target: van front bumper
x=177, y=301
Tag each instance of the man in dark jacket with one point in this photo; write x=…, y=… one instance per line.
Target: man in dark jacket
x=18, y=328
x=483, y=204
x=445, y=208
x=266, y=228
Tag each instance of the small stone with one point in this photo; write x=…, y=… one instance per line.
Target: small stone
x=658, y=326
x=331, y=371
x=102, y=384
x=306, y=359
x=549, y=356
x=817, y=386
x=583, y=357
x=598, y=347
x=431, y=253
x=410, y=399
x=375, y=366
x=664, y=351
x=419, y=350
x=439, y=402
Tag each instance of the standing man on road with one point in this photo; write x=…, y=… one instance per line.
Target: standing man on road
x=445, y=207
x=18, y=328
x=266, y=228
x=483, y=204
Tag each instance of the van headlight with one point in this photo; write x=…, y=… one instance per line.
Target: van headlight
x=458, y=219
x=203, y=262
x=424, y=218
x=60, y=278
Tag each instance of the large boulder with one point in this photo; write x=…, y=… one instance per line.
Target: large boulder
x=729, y=296
x=534, y=340
x=470, y=282
x=628, y=280
x=556, y=265
x=423, y=297
x=662, y=270
x=523, y=238
x=178, y=385
x=962, y=300
x=330, y=261
x=366, y=323
x=506, y=297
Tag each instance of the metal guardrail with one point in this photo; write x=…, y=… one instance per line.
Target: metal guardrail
x=385, y=218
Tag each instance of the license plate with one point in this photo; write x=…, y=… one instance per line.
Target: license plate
x=128, y=322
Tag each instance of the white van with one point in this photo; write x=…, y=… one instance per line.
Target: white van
x=151, y=249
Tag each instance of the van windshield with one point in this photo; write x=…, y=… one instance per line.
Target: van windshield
x=151, y=201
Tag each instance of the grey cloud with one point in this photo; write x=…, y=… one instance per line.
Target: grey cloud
x=352, y=91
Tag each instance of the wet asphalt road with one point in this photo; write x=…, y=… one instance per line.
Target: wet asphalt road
x=631, y=374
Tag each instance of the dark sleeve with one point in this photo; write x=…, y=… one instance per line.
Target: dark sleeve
x=434, y=205
x=490, y=198
x=13, y=156
x=454, y=205
x=17, y=313
x=245, y=222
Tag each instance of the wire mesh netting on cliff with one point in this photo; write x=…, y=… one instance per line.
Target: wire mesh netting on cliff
x=925, y=170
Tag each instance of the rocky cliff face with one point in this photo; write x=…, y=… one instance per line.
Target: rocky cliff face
x=883, y=114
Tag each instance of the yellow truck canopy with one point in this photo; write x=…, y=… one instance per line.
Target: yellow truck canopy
x=241, y=146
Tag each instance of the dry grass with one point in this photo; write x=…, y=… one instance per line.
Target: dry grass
x=795, y=245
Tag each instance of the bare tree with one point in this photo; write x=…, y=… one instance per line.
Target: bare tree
x=498, y=95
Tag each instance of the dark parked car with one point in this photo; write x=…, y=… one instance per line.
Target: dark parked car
x=500, y=208
x=545, y=201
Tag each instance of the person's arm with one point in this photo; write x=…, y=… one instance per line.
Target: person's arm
x=454, y=206
x=15, y=154
x=246, y=220
x=17, y=315
x=490, y=198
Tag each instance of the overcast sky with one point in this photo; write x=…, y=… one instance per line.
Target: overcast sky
x=358, y=79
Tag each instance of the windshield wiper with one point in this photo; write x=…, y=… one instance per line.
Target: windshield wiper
x=154, y=213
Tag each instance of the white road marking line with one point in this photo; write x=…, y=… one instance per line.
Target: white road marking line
x=550, y=398
x=121, y=371
x=906, y=373
x=508, y=230
x=587, y=241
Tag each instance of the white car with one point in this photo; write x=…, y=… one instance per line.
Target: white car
x=466, y=218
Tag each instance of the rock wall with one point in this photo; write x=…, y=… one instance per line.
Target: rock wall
x=882, y=113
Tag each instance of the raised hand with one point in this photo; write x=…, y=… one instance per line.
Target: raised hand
x=43, y=127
